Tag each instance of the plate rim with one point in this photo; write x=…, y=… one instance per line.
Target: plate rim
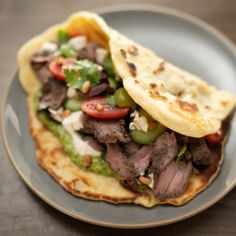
x=103, y=10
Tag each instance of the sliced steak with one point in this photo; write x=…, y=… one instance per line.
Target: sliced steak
x=40, y=59
x=88, y=52
x=172, y=182
x=119, y=162
x=131, y=148
x=107, y=131
x=44, y=75
x=95, y=90
x=201, y=154
x=53, y=93
x=141, y=159
x=164, y=151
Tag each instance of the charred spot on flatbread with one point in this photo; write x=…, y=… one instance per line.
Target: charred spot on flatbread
x=156, y=95
x=160, y=68
x=132, y=68
x=123, y=53
x=132, y=50
x=187, y=106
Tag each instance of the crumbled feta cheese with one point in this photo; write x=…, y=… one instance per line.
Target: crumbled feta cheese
x=101, y=54
x=99, y=67
x=74, y=121
x=71, y=93
x=56, y=114
x=77, y=42
x=152, y=180
x=142, y=173
x=49, y=47
x=82, y=146
x=139, y=122
x=42, y=105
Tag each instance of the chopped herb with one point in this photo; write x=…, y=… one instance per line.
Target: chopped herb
x=113, y=83
x=73, y=80
x=66, y=51
x=107, y=63
x=62, y=36
x=82, y=71
x=110, y=100
x=88, y=69
x=181, y=153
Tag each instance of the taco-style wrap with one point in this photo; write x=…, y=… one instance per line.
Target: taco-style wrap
x=113, y=121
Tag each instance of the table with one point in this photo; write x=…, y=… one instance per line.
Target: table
x=23, y=213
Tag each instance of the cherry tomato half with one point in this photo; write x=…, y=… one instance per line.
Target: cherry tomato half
x=98, y=108
x=74, y=33
x=57, y=66
x=215, y=138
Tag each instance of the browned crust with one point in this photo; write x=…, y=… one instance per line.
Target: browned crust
x=132, y=50
x=132, y=68
x=190, y=107
x=159, y=69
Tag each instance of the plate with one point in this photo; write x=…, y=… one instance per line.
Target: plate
x=180, y=39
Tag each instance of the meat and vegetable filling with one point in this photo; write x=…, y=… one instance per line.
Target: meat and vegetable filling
x=82, y=101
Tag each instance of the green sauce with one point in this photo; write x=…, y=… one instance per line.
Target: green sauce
x=98, y=165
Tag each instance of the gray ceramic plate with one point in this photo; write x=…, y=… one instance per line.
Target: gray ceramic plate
x=181, y=39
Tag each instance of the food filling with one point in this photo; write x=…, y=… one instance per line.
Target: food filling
x=82, y=101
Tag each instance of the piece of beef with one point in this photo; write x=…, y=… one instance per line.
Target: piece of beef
x=53, y=93
x=108, y=131
x=164, y=151
x=98, y=89
x=40, y=59
x=119, y=162
x=43, y=75
x=88, y=52
x=141, y=159
x=131, y=148
x=173, y=180
x=201, y=154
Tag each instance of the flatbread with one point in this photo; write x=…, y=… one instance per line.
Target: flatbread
x=49, y=152
x=177, y=99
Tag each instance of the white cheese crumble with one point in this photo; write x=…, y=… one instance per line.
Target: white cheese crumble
x=71, y=93
x=152, y=180
x=77, y=42
x=73, y=123
x=139, y=122
x=56, y=114
x=100, y=54
x=49, y=47
x=99, y=67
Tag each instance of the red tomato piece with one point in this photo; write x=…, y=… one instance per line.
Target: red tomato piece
x=74, y=33
x=57, y=66
x=98, y=108
x=215, y=138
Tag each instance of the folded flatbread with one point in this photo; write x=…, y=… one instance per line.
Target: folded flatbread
x=175, y=98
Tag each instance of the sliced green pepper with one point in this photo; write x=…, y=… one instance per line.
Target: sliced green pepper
x=73, y=104
x=148, y=137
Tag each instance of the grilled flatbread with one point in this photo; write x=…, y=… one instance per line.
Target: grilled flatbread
x=177, y=99
x=132, y=64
